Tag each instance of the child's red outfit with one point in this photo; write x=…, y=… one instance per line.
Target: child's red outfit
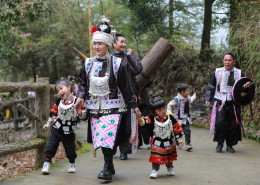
x=166, y=130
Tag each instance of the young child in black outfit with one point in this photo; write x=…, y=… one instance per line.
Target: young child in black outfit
x=180, y=106
x=166, y=130
x=63, y=119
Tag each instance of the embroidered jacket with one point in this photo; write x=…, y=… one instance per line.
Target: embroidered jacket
x=120, y=91
x=63, y=115
x=180, y=106
x=221, y=82
x=165, y=130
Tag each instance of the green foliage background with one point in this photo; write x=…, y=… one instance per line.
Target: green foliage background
x=37, y=39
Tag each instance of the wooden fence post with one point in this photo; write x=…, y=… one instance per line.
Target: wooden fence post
x=15, y=113
x=42, y=108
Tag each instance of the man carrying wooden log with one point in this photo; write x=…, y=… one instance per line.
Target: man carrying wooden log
x=134, y=67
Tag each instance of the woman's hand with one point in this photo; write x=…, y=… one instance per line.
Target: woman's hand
x=137, y=113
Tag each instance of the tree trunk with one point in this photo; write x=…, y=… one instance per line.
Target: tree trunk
x=170, y=18
x=34, y=70
x=137, y=46
x=205, y=51
x=233, y=13
x=89, y=30
x=101, y=7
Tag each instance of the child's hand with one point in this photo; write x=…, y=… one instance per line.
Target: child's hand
x=46, y=126
x=180, y=143
x=194, y=94
x=79, y=111
x=79, y=102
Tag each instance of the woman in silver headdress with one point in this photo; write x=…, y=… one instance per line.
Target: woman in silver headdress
x=105, y=87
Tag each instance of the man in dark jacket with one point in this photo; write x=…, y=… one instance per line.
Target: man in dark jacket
x=134, y=67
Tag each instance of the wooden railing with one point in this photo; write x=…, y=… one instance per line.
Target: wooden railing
x=43, y=102
x=14, y=116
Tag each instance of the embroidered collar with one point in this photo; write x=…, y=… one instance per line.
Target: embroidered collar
x=161, y=119
x=69, y=99
x=115, y=53
x=105, y=57
x=232, y=70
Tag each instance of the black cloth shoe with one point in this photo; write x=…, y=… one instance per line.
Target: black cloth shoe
x=230, y=149
x=219, y=148
x=106, y=173
x=123, y=156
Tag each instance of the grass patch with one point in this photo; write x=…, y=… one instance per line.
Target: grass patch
x=200, y=126
x=85, y=147
x=23, y=175
x=55, y=165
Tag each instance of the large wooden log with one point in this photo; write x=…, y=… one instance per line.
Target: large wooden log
x=153, y=60
x=8, y=149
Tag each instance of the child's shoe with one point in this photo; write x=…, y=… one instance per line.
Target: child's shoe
x=72, y=168
x=46, y=167
x=178, y=146
x=154, y=174
x=188, y=147
x=170, y=171
x=148, y=146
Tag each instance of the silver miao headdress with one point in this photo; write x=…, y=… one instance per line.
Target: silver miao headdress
x=104, y=32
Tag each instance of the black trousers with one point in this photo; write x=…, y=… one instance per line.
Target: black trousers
x=226, y=127
x=68, y=142
x=108, y=153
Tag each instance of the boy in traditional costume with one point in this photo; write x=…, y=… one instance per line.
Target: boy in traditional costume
x=180, y=107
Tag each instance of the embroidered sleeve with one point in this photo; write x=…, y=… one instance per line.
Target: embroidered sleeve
x=193, y=98
x=177, y=128
x=210, y=91
x=54, y=109
x=169, y=113
x=147, y=120
x=171, y=104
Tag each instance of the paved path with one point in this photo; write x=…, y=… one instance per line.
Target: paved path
x=202, y=166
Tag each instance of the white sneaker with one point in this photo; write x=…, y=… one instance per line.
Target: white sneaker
x=154, y=174
x=72, y=168
x=170, y=171
x=148, y=146
x=46, y=167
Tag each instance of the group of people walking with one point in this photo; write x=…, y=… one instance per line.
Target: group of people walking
x=108, y=97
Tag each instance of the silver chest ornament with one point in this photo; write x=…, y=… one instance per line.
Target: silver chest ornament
x=99, y=86
x=163, y=130
x=67, y=112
